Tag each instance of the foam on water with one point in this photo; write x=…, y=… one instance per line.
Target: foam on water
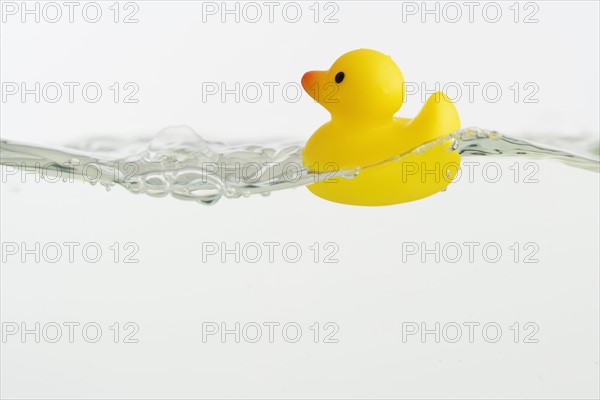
x=180, y=163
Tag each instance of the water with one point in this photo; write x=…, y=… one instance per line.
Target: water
x=178, y=162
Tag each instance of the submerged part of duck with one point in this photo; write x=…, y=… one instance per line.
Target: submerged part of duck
x=180, y=163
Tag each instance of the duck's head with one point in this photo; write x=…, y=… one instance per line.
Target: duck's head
x=362, y=85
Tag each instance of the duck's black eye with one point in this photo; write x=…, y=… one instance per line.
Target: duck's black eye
x=339, y=77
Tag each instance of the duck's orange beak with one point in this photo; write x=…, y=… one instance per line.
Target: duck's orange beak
x=312, y=82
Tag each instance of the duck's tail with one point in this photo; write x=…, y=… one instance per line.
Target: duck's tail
x=437, y=118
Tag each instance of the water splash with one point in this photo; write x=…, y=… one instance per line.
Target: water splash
x=178, y=162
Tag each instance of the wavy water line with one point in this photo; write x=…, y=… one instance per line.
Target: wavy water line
x=178, y=162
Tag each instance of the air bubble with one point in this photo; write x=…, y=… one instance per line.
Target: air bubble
x=231, y=193
x=454, y=146
x=351, y=174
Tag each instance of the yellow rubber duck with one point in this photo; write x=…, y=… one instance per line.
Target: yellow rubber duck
x=362, y=91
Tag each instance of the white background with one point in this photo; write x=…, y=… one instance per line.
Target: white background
x=370, y=292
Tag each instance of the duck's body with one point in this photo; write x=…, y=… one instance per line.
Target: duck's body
x=363, y=133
